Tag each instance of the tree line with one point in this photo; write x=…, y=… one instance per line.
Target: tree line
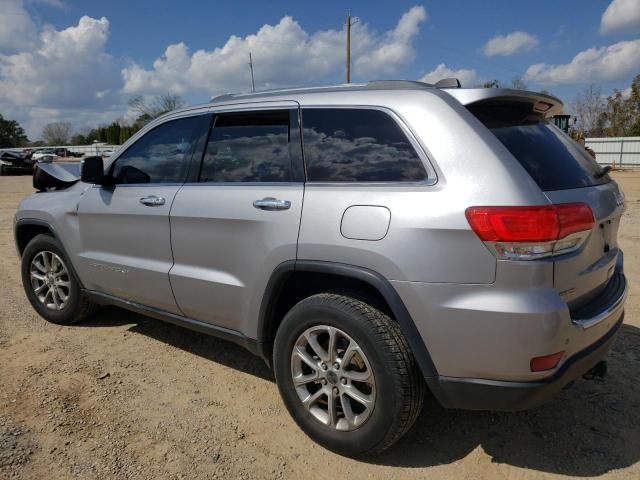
x=617, y=115
x=115, y=133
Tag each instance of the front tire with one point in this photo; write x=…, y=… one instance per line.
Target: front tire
x=346, y=374
x=50, y=284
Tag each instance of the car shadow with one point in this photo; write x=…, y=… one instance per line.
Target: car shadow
x=211, y=348
x=588, y=430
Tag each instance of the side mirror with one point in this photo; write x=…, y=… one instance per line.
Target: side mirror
x=93, y=170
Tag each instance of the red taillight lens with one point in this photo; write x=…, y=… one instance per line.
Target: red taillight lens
x=574, y=217
x=543, y=223
x=548, y=362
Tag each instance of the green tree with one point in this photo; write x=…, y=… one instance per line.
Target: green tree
x=11, y=134
x=127, y=131
x=621, y=116
x=79, y=139
x=113, y=133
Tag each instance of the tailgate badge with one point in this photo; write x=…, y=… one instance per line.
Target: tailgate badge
x=619, y=196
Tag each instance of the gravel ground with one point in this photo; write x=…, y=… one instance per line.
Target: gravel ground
x=129, y=397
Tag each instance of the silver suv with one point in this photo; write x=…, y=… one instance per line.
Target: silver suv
x=370, y=242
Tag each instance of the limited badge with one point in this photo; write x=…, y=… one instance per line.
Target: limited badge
x=619, y=196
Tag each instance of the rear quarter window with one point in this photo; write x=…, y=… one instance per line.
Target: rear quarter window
x=357, y=145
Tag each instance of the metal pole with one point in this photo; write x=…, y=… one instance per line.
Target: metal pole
x=349, y=47
x=253, y=84
x=621, y=151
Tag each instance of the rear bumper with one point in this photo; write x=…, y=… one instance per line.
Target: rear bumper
x=479, y=394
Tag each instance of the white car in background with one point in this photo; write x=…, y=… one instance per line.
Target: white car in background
x=45, y=152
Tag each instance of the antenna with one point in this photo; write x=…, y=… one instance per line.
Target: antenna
x=253, y=84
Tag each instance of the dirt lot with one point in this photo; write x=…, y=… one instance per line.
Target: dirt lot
x=125, y=396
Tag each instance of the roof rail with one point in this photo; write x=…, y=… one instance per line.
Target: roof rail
x=391, y=84
x=372, y=85
x=448, y=83
x=312, y=89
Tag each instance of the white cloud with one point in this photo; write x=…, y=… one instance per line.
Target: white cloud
x=621, y=15
x=467, y=77
x=283, y=54
x=65, y=71
x=17, y=30
x=604, y=64
x=506, y=45
x=395, y=51
x=48, y=74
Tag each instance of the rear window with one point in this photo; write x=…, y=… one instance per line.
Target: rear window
x=550, y=156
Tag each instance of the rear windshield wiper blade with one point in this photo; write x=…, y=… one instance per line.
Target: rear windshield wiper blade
x=603, y=172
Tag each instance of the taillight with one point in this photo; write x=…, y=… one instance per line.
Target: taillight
x=530, y=232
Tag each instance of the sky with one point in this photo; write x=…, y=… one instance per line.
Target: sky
x=81, y=61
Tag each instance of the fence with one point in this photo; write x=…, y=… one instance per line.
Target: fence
x=619, y=152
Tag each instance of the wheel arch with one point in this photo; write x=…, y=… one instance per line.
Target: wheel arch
x=26, y=229
x=292, y=274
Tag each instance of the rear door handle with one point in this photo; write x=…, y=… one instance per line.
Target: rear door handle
x=271, y=203
x=152, y=201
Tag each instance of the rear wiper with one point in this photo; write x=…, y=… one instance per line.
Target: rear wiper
x=603, y=172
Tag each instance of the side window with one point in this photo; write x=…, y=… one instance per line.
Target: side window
x=357, y=145
x=249, y=147
x=162, y=155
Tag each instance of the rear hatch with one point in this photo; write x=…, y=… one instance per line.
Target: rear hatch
x=566, y=173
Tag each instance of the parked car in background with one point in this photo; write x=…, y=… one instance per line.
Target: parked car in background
x=107, y=152
x=14, y=162
x=46, y=158
x=43, y=152
x=368, y=241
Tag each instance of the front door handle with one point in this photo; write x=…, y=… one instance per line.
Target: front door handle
x=271, y=203
x=152, y=201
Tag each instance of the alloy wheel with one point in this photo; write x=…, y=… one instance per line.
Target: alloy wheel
x=333, y=378
x=50, y=280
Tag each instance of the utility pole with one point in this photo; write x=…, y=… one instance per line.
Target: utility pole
x=253, y=84
x=349, y=25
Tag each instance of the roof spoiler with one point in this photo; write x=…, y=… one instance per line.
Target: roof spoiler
x=543, y=104
x=448, y=83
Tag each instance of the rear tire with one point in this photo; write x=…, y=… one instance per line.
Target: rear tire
x=50, y=284
x=384, y=374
